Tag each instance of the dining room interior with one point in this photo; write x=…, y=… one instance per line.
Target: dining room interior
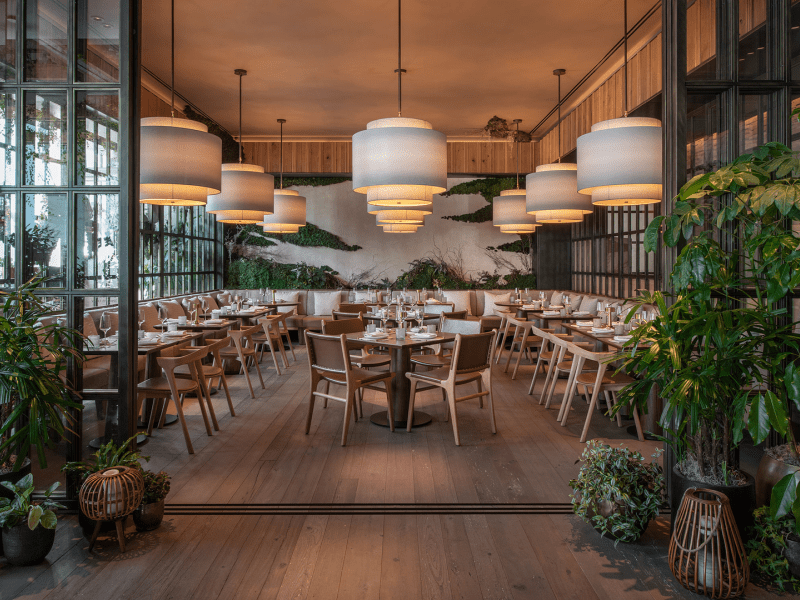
x=399, y=299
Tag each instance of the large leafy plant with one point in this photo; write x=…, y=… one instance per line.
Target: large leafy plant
x=21, y=509
x=619, y=481
x=35, y=402
x=767, y=542
x=107, y=455
x=723, y=349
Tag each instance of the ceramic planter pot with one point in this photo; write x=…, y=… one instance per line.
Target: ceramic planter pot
x=23, y=546
x=742, y=497
x=149, y=516
x=87, y=526
x=770, y=472
x=606, y=508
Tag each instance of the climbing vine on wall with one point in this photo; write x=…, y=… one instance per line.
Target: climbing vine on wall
x=310, y=181
x=310, y=235
x=488, y=187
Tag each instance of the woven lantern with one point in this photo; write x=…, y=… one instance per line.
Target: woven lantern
x=706, y=553
x=111, y=495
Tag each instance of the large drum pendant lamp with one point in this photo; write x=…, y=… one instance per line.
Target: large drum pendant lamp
x=508, y=209
x=619, y=161
x=179, y=161
x=247, y=192
x=400, y=228
x=289, y=208
x=389, y=217
x=399, y=162
x=552, y=191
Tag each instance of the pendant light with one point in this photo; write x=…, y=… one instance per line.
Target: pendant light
x=619, y=161
x=399, y=162
x=247, y=191
x=179, y=161
x=290, y=206
x=552, y=191
x=508, y=209
x=400, y=228
x=389, y=217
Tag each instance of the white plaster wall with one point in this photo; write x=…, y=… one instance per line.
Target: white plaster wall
x=338, y=209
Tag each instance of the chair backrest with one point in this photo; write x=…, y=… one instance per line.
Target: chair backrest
x=352, y=308
x=271, y=326
x=243, y=334
x=210, y=302
x=437, y=309
x=327, y=353
x=450, y=325
x=473, y=352
x=340, y=326
x=578, y=350
x=339, y=315
x=169, y=363
x=173, y=308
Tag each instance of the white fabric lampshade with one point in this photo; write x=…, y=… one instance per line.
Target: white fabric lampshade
x=509, y=209
x=518, y=229
x=289, y=213
x=389, y=217
x=400, y=228
x=619, y=162
x=552, y=194
x=179, y=162
x=247, y=195
x=399, y=162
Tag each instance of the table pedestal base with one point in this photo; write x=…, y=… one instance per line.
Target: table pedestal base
x=382, y=418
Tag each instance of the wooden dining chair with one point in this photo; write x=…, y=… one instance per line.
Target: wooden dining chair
x=563, y=364
x=270, y=339
x=243, y=350
x=283, y=329
x=444, y=352
x=169, y=386
x=339, y=315
x=213, y=371
x=548, y=356
x=329, y=361
x=471, y=362
x=523, y=340
x=502, y=337
x=346, y=307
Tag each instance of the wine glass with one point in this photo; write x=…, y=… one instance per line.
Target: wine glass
x=163, y=315
x=105, y=323
x=142, y=318
x=384, y=318
x=204, y=304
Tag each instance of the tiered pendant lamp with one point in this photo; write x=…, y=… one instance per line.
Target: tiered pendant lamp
x=247, y=192
x=399, y=163
x=290, y=206
x=400, y=228
x=619, y=161
x=391, y=217
x=179, y=161
x=552, y=191
x=508, y=209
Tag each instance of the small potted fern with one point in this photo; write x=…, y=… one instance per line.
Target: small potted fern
x=151, y=512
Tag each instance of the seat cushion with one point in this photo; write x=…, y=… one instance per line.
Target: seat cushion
x=438, y=375
x=490, y=300
x=430, y=360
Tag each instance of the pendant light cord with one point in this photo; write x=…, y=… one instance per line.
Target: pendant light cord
x=625, y=45
x=172, y=64
x=516, y=142
x=559, y=73
x=240, y=73
x=281, y=121
x=399, y=70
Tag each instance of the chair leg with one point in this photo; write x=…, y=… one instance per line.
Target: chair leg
x=203, y=395
x=120, y=535
x=247, y=376
x=511, y=350
x=598, y=384
x=311, y=399
x=480, y=389
x=569, y=393
x=522, y=348
x=549, y=391
x=181, y=418
x=289, y=343
x=279, y=341
x=535, y=374
x=390, y=405
x=451, y=400
x=639, y=432
x=274, y=359
x=503, y=344
x=327, y=391
x=488, y=375
x=224, y=381
x=348, y=409
x=412, y=396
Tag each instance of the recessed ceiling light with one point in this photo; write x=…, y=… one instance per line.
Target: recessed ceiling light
x=96, y=18
x=796, y=27
x=761, y=47
x=106, y=25
x=749, y=53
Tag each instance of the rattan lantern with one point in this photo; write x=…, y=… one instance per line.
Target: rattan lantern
x=706, y=553
x=111, y=495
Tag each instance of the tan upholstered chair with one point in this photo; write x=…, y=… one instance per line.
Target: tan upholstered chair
x=352, y=308
x=329, y=361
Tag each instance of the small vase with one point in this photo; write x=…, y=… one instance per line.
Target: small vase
x=149, y=516
x=23, y=546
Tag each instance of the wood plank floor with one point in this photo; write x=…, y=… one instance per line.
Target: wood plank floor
x=262, y=457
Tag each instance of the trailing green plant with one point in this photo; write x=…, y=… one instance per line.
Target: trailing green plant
x=497, y=127
x=310, y=181
x=156, y=486
x=726, y=329
x=765, y=549
x=252, y=273
x=482, y=215
x=22, y=509
x=107, y=455
x=616, y=491
x=35, y=403
x=310, y=235
x=488, y=187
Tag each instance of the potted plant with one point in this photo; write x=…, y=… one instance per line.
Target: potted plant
x=616, y=491
x=773, y=550
x=108, y=455
x=151, y=512
x=35, y=400
x=29, y=526
x=721, y=352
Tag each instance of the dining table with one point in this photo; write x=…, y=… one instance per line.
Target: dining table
x=208, y=325
x=247, y=316
x=400, y=355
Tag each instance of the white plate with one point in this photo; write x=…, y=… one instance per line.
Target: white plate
x=375, y=336
x=174, y=334
x=601, y=329
x=551, y=313
x=581, y=313
x=622, y=338
x=423, y=336
x=148, y=341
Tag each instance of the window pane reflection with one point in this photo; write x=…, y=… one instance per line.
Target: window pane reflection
x=46, y=41
x=98, y=41
x=97, y=136
x=8, y=216
x=701, y=40
x=45, y=238
x=8, y=40
x=754, y=124
x=8, y=138
x=753, y=51
x=706, y=138
x=97, y=246
x=45, y=138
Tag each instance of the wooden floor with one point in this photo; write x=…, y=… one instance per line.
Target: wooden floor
x=505, y=531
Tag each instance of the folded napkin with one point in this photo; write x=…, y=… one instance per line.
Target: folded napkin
x=581, y=313
x=215, y=321
x=556, y=306
x=528, y=307
x=376, y=336
x=622, y=338
x=432, y=301
x=584, y=323
x=423, y=336
x=602, y=330
x=551, y=313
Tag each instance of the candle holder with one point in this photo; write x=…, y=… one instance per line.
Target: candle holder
x=111, y=495
x=706, y=553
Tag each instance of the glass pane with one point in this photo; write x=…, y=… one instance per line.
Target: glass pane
x=97, y=135
x=98, y=41
x=8, y=40
x=701, y=40
x=46, y=41
x=8, y=138
x=45, y=138
x=794, y=40
x=45, y=239
x=8, y=219
x=97, y=246
x=795, y=124
x=753, y=55
x=754, y=124
x=705, y=135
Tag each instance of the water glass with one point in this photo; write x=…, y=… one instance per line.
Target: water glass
x=94, y=341
x=371, y=328
x=598, y=322
x=431, y=328
x=400, y=333
x=182, y=320
x=619, y=329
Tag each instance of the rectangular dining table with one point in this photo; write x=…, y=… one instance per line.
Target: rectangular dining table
x=400, y=354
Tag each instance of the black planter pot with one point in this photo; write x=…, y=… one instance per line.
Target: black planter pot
x=24, y=547
x=742, y=498
x=87, y=526
x=149, y=516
